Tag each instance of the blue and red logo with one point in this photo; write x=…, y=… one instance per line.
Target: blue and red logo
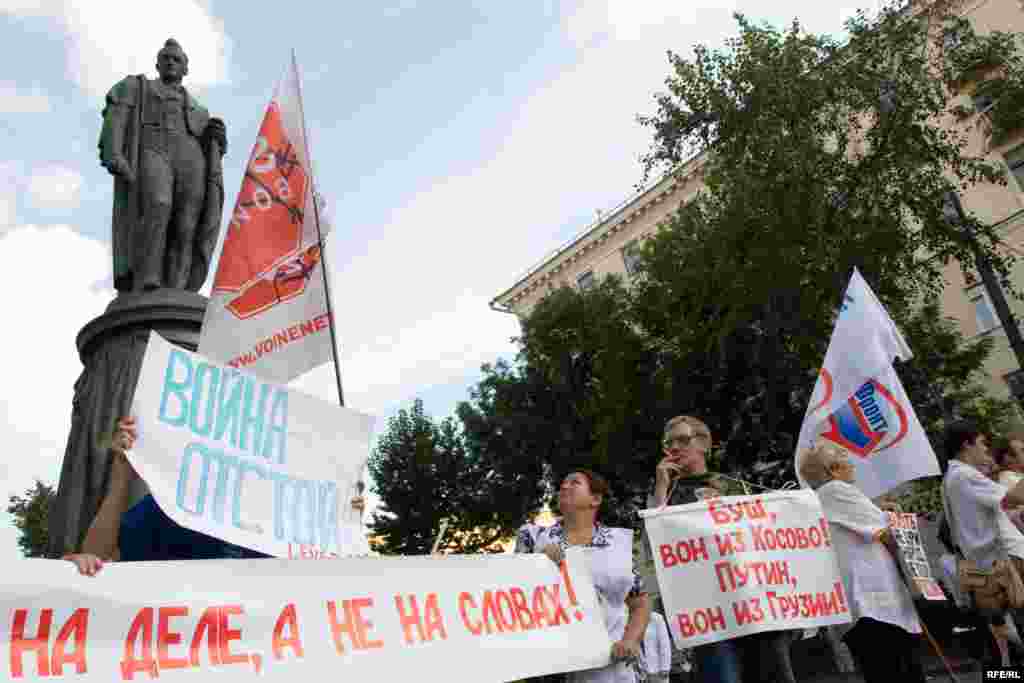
x=870, y=422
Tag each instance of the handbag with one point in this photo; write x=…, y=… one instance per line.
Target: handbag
x=996, y=589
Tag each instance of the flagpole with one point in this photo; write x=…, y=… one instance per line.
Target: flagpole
x=319, y=235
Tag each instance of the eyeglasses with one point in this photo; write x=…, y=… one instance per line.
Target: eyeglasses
x=684, y=440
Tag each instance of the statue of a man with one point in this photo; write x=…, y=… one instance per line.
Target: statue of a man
x=164, y=151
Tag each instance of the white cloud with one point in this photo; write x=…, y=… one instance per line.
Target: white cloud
x=16, y=101
x=412, y=308
x=55, y=187
x=49, y=271
x=110, y=40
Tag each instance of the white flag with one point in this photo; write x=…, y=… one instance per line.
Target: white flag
x=268, y=309
x=859, y=401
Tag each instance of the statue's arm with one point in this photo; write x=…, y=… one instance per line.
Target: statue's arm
x=120, y=106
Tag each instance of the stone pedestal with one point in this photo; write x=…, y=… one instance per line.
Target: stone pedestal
x=111, y=348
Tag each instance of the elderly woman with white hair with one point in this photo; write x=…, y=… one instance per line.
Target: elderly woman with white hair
x=884, y=619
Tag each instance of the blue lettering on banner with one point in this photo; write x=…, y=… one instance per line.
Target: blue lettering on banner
x=249, y=420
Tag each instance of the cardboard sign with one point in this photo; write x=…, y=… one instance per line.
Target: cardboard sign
x=247, y=461
x=732, y=566
x=912, y=558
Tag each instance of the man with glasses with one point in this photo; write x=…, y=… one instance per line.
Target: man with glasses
x=682, y=477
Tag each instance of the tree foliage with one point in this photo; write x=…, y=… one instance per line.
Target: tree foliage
x=31, y=512
x=819, y=157
x=424, y=475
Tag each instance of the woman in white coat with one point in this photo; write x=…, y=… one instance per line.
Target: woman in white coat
x=884, y=618
x=619, y=587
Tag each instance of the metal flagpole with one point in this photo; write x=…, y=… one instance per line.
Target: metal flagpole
x=319, y=236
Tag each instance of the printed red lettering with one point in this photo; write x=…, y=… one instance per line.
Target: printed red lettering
x=523, y=613
x=541, y=612
x=320, y=322
x=165, y=638
x=723, y=570
x=433, y=618
x=718, y=514
x=20, y=644
x=748, y=611
x=141, y=624
x=355, y=625
x=364, y=625
x=668, y=558
x=700, y=621
x=467, y=599
x=506, y=611
x=556, y=604
x=724, y=544
x=306, y=328
x=410, y=619
x=208, y=625
x=280, y=642
x=293, y=333
x=77, y=625
x=225, y=635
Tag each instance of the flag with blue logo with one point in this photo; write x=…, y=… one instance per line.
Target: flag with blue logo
x=859, y=402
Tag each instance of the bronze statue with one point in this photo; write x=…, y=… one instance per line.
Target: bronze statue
x=164, y=150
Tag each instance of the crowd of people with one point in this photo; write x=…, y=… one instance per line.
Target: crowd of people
x=983, y=501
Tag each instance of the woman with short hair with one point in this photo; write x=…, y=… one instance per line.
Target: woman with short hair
x=610, y=555
x=884, y=618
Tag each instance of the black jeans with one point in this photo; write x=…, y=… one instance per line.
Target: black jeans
x=884, y=652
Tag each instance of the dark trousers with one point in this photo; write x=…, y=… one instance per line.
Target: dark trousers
x=147, y=534
x=884, y=652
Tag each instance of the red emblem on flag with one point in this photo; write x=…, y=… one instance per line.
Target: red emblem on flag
x=263, y=259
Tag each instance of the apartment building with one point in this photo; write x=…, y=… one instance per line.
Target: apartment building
x=609, y=245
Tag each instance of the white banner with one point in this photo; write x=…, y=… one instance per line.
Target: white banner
x=744, y=564
x=859, y=402
x=247, y=461
x=458, y=618
x=268, y=306
x=880, y=430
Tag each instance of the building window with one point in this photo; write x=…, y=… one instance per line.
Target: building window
x=585, y=281
x=631, y=257
x=951, y=39
x=1015, y=160
x=982, y=102
x=1015, y=381
x=984, y=312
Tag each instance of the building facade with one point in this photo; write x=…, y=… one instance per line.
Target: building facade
x=609, y=245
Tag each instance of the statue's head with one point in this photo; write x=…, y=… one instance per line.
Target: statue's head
x=171, y=62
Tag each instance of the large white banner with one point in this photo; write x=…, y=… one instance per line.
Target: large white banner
x=268, y=306
x=459, y=618
x=859, y=402
x=744, y=564
x=247, y=461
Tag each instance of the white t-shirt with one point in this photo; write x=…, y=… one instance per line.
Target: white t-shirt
x=977, y=521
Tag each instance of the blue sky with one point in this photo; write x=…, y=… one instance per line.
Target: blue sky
x=459, y=142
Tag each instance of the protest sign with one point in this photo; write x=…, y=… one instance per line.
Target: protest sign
x=247, y=461
x=912, y=558
x=456, y=618
x=732, y=566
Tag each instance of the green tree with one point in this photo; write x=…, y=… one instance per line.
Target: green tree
x=424, y=475
x=821, y=157
x=584, y=393
x=30, y=513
